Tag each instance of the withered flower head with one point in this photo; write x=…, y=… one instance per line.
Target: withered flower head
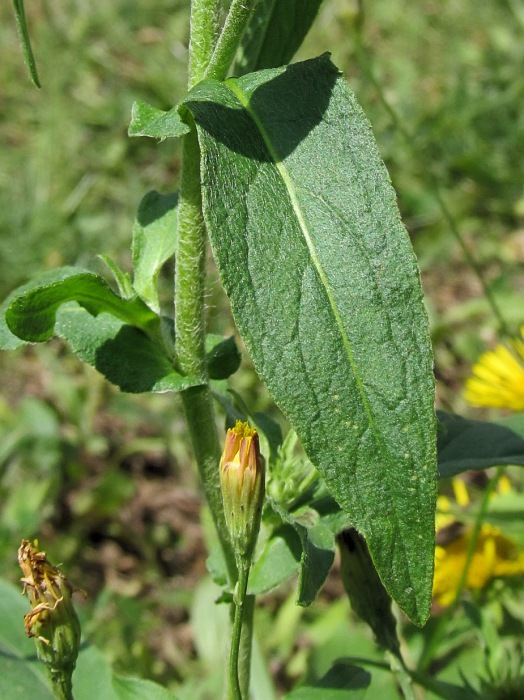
x=52, y=620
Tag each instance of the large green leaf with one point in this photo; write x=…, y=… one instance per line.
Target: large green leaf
x=473, y=444
x=275, y=32
x=325, y=290
x=154, y=238
x=125, y=355
x=31, y=314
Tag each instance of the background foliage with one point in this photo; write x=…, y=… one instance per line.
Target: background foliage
x=105, y=478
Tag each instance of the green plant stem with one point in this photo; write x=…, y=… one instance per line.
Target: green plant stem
x=366, y=66
x=237, y=665
x=402, y=675
x=236, y=22
x=62, y=686
x=439, y=632
x=246, y=645
x=205, y=16
x=202, y=429
x=190, y=266
x=190, y=317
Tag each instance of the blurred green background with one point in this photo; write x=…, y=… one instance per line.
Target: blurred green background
x=85, y=467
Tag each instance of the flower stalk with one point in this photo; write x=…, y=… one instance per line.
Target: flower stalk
x=242, y=480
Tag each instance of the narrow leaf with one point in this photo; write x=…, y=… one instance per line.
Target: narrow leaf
x=32, y=314
x=154, y=238
x=464, y=444
x=275, y=32
x=23, y=33
x=326, y=293
x=156, y=123
x=122, y=279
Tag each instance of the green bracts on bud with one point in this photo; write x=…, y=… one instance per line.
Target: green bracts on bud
x=366, y=593
x=243, y=483
x=52, y=621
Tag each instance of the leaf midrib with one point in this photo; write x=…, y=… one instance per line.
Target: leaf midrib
x=288, y=182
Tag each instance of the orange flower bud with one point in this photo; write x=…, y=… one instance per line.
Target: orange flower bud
x=242, y=482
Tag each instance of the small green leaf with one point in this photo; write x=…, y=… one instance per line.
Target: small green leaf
x=122, y=279
x=275, y=32
x=464, y=444
x=156, y=123
x=31, y=315
x=318, y=550
x=23, y=33
x=277, y=563
x=122, y=353
x=343, y=681
x=154, y=238
x=8, y=341
x=318, y=554
x=223, y=356
x=326, y=294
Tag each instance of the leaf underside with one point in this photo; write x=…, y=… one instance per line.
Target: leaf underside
x=326, y=294
x=275, y=32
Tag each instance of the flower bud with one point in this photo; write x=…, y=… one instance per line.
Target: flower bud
x=52, y=620
x=242, y=482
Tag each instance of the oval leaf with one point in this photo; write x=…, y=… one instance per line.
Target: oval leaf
x=222, y=356
x=325, y=290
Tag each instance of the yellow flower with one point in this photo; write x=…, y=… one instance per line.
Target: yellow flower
x=498, y=377
x=495, y=556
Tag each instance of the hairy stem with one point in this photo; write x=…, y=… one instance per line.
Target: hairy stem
x=189, y=290
x=204, y=34
x=62, y=686
x=230, y=37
